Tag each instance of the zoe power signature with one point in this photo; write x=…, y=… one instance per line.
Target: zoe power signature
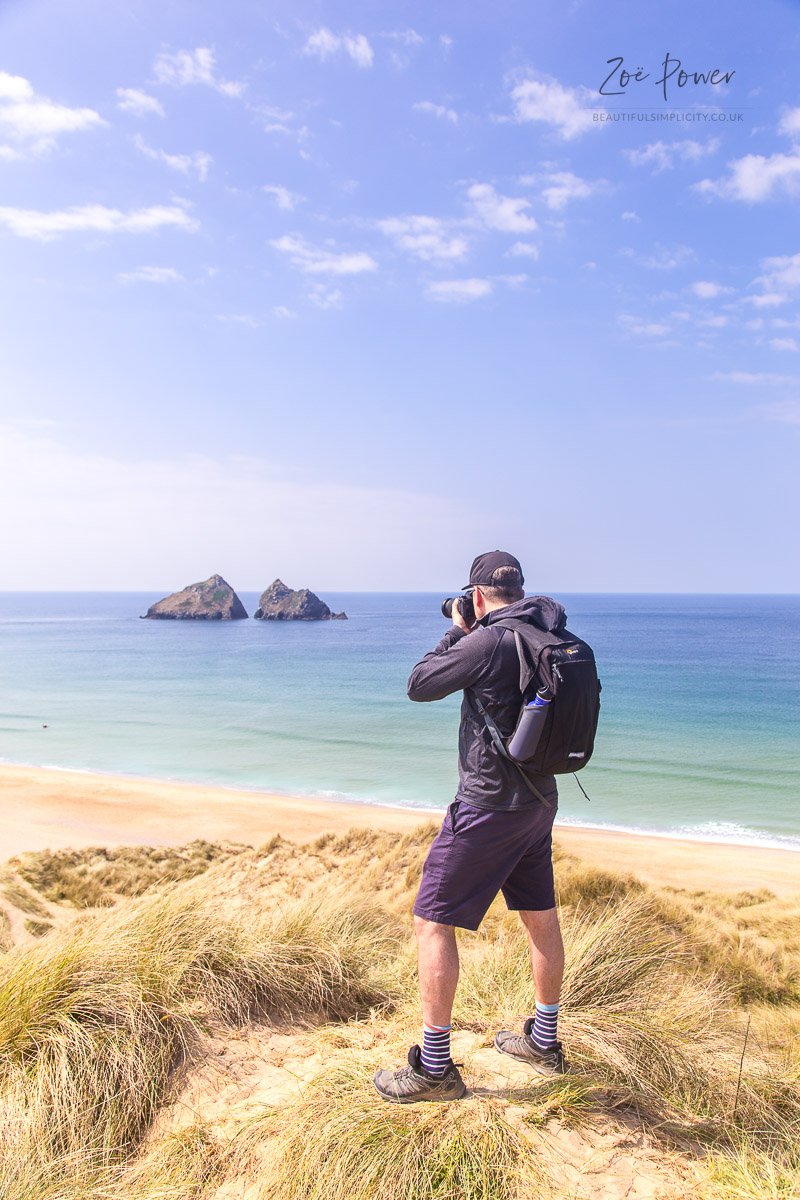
x=672, y=73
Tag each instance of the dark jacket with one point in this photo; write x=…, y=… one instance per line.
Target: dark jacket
x=486, y=662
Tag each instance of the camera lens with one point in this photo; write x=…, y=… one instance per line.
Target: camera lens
x=464, y=607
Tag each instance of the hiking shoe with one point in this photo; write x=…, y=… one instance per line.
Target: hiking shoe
x=413, y=1083
x=519, y=1045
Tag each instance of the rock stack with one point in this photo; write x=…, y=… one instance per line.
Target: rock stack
x=211, y=600
x=282, y=603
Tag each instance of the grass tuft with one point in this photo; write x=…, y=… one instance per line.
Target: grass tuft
x=98, y=876
x=365, y=1149
x=96, y=1020
x=6, y=940
x=21, y=896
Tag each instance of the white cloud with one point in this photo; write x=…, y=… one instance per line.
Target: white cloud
x=35, y=123
x=424, y=237
x=705, y=289
x=512, y=281
x=325, y=44
x=563, y=186
x=284, y=199
x=790, y=122
x=459, y=291
x=246, y=319
x=406, y=37
x=189, y=67
x=403, y=41
x=316, y=260
x=278, y=120
x=714, y=321
x=787, y=412
x=756, y=178
x=15, y=88
x=640, y=327
x=504, y=213
x=664, y=258
x=138, y=103
x=754, y=378
x=767, y=300
x=437, y=110
x=630, y=216
x=151, y=275
x=784, y=343
x=568, y=111
x=197, y=163
x=94, y=218
x=445, y=41
x=280, y=310
x=780, y=272
x=663, y=155
x=325, y=297
x=523, y=250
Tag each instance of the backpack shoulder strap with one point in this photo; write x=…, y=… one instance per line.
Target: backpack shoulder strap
x=529, y=640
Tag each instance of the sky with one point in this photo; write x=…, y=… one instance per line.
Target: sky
x=350, y=293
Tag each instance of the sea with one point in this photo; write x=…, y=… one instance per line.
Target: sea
x=698, y=734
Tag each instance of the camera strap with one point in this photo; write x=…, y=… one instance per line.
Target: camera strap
x=497, y=738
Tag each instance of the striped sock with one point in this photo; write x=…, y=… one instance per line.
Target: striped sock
x=436, y=1048
x=544, y=1031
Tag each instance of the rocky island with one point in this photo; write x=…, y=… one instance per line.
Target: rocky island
x=211, y=600
x=282, y=603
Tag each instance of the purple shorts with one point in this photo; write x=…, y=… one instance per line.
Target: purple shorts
x=479, y=852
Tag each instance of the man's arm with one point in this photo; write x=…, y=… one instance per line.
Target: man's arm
x=457, y=662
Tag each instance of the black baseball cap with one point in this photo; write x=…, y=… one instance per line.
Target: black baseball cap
x=485, y=565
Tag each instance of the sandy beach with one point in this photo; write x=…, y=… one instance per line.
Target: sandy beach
x=44, y=808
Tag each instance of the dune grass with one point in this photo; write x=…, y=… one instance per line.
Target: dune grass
x=37, y=928
x=747, y=1173
x=727, y=936
x=365, y=1149
x=100, y=1019
x=637, y=1020
x=188, y=1164
x=21, y=896
x=96, y=1020
x=5, y=931
x=97, y=876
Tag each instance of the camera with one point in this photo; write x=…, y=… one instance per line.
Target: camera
x=464, y=607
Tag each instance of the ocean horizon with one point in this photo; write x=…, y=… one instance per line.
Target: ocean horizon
x=697, y=737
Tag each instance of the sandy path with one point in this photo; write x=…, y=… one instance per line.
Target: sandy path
x=43, y=808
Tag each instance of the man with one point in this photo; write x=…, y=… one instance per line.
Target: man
x=496, y=836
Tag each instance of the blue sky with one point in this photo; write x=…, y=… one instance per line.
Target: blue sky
x=348, y=293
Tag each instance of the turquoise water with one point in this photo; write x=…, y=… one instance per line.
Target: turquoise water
x=698, y=731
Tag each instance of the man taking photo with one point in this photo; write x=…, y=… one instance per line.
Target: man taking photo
x=496, y=836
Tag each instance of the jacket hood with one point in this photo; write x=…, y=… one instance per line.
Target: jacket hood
x=543, y=611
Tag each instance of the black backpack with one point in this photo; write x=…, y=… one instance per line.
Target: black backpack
x=552, y=657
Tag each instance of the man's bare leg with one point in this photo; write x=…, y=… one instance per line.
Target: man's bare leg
x=538, y=1044
x=547, y=952
x=437, y=964
x=432, y=1075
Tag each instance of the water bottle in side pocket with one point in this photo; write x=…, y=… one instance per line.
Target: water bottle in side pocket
x=525, y=739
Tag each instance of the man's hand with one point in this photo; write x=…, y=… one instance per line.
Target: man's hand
x=458, y=620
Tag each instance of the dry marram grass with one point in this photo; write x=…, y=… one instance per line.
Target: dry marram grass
x=102, y=1019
